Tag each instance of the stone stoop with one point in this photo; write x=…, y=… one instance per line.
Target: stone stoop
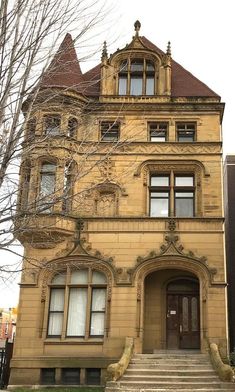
x=170, y=371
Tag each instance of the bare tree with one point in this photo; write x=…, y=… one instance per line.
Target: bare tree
x=29, y=33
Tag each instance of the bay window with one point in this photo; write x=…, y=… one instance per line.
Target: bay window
x=77, y=304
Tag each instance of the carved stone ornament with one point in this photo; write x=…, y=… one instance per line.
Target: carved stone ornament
x=123, y=276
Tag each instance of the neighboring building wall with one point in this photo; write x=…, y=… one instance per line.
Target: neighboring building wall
x=7, y=325
x=229, y=204
x=105, y=228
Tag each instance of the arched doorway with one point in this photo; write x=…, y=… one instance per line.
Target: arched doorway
x=182, y=314
x=171, y=310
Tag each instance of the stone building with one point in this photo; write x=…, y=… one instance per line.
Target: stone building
x=229, y=211
x=122, y=218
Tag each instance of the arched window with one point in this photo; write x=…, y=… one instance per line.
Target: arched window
x=52, y=124
x=47, y=186
x=77, y=303
x=72, y=127
x=136, y=77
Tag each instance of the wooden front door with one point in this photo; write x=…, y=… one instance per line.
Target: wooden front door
x=182, y=321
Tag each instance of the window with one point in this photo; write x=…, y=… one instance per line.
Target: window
x=70, y=376
x=47, y=185
x=68, y=186
x=93, y=376
x=136, y=77
x=172, y=195
x=31, y=128
x=186, y=132
x=72, y=127
x=158, y=132
x=109, y=131
x=52, y=125
x=25, y=184
x=85, y=304
x=48, y=376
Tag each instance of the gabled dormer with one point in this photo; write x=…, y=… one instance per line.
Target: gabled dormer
x=136, y=70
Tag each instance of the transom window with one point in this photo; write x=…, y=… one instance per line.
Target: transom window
x=77, y=304
x=158, y=131
x=136, y=77
x=172, y=194
x=186, y=132
x=109, y=131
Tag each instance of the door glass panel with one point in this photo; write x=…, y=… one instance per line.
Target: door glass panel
x=185, y=314
x=194, y=314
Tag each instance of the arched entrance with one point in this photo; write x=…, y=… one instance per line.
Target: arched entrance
x=171, y=317
x=182, y=314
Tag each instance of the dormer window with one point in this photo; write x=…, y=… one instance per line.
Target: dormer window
x=136, y=77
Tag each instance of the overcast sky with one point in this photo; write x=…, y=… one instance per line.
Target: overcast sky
x=202, y=39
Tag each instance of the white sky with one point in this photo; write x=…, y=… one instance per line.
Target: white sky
x=202, y=39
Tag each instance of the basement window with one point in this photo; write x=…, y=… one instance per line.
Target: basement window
x=48, y=376
x=93, y=376
x=71, y=376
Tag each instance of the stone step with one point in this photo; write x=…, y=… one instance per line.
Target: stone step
x=180, y=372
x=194, y=386
x=170, y=367
x=170, y=378
x=221, y=389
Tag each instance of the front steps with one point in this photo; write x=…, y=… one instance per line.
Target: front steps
x=170, y=371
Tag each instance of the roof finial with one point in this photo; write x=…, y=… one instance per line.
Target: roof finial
x=168, y=50
x=104, y=51
x=137, y=26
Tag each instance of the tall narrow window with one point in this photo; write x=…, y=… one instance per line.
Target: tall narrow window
x=52, y=125
x=68, y=186
x=136, y=77
x=25, y=178
x=47, y=186
x=85, y=304
x=31, y=129
x=159, y=195
x=72, y=127
x=184, y=196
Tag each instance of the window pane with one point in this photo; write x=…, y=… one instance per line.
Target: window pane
x=97, y=324
x=185, y=314
x=59, y=278
x=122, y=86
x=123, y=66
x=157, y=136
x=136, y=85
x=98, y=300
x=160, y=195
x=55, y=324
x=184, y=194
x=98, y=277
x=47, y=184
x=194, y=314
x=185, y=136
x=79, y=277
x=159, y=207
x=149, y=86
x=184, y=181
x=137, y=65
x=57, y=300
x=48, y=167
x=160, y=181
x=149, y=66
x=184, y=207
x=72, y=127
x=77, y=312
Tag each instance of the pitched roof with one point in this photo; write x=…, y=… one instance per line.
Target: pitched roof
x=184, y=84
x=64, y=69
